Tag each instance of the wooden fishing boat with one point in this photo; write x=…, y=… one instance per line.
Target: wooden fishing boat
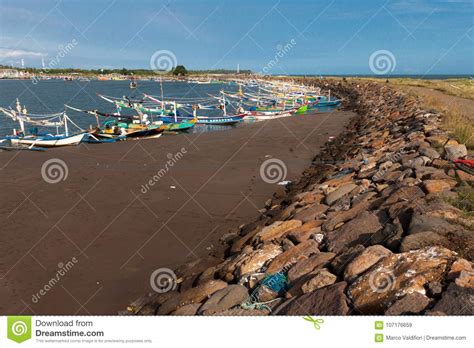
x=270, y=115
x=42, y=140
x=324, y=103
x=129, y=130
x=48, y=140
x=182, y=126
x=206, y=120
x=134, y=121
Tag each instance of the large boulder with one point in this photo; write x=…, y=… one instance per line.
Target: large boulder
x=190, y=296
x=342, y=216
x=397, y=275
x=304, y=232
x=292, y=255
x=356, y=231
x=421, y=240
x=277, y=230
x=455, y=151
x=308, y=265
x=364, y=261
x=335, y=195
x=425, y=223
x=255, y=260
x=224, y=299
x=329, y=300
x=309, y=282
x=456, y=300
x=412, y=303
x=436, y=186
x=311, y=212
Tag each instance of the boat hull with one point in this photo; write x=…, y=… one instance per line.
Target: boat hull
x=50, y=141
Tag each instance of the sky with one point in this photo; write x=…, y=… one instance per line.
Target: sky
x=273, y=37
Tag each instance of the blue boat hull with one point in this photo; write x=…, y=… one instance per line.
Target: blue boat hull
x=205, y=121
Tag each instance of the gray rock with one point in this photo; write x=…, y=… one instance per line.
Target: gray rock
x=390, y=236
x=356, y=231
x=456, y=300
x=343, y=190
x=320, y=279
x=429, y=152
x=424, y=223
x=330, y=300
x=190, y=309
x=422, y=239
x=364, y=261
x=343, y=216
x=308, y=265
x=339, y=263
x=413, y=303
x=224, y=299
x=455, y=151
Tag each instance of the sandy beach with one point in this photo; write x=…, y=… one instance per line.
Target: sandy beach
x=113, y=233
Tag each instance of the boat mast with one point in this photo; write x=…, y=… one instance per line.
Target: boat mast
x=162, y=99
x=175, y=112
x=223, y=101
x=66, y=129
x=20, y=119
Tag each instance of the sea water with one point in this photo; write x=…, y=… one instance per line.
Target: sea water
x=50, y=96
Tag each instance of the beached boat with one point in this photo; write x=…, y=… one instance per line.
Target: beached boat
x=130, y=130
x=183, y=126
x=173, y=116
x=207, y=120
x=49, y=140
x=42, y=140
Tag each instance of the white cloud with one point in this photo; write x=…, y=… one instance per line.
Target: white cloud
x=13, y=53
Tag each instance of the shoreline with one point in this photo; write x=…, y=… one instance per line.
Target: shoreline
x=379, y=231
x=119, y=239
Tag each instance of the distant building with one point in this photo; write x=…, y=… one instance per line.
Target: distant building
x=10, y=74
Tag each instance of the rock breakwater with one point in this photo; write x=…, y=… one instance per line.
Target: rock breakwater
x=374, y=226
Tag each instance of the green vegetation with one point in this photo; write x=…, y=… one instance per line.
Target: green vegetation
x=462, y=87
x=180, y=70
x=458, y=125
x=464, y=200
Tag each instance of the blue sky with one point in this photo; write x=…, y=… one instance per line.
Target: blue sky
x=321, y=37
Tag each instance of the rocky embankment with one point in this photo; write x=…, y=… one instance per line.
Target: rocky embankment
x=372, y=227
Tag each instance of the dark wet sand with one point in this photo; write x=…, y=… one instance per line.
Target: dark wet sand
x=119, y=235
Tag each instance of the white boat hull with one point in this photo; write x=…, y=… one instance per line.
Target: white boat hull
x=262, y=117
x=44, y=142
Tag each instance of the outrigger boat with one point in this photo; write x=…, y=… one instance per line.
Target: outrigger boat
x=124, y=127
x=142, y=119
x=49, y=140
x=225, y=120
x=19, y=137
